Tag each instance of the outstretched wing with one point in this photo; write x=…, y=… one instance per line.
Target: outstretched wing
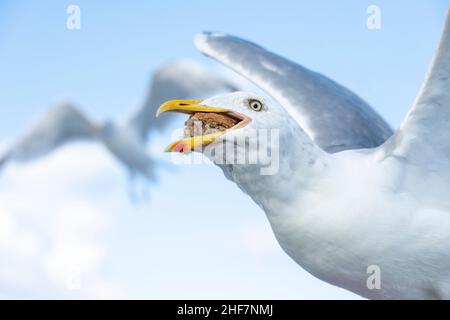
x=60, y=125
x=424, y=136
x=180, y=80
x=334, y=117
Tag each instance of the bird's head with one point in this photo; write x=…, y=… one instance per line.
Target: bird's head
x=224, y=119
x=253, y=139
x=235, y=128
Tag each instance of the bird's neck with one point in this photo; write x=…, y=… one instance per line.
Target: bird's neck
x=297, y=164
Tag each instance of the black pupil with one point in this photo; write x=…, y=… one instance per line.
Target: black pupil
x=255, y=105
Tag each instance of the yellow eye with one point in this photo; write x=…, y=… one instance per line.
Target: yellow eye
x=255, y=105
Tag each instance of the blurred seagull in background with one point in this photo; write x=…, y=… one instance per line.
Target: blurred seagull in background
x=351, y=203
x=126, y=141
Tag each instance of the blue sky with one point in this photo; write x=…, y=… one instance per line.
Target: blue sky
x=172, y=248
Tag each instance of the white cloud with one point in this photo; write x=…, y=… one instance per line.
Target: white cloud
x=51, y=235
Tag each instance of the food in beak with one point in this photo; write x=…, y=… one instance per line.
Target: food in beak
x=201, y=123
x=204, y=125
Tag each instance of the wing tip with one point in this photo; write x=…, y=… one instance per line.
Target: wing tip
x=202, y=39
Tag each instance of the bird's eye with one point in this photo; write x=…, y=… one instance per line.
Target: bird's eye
x=255, y=105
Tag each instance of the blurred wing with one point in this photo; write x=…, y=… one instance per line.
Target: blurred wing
x=60, y=125
x=425, y=133
x=334, y=117
x=180, y=80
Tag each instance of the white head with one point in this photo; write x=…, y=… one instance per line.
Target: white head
x=264, y=144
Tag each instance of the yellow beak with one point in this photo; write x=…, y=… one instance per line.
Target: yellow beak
x=187, y=106
x=190, y=107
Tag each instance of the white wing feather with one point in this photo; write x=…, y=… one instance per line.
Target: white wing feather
x=424, y=136
x=62, y=124
x=333, y=116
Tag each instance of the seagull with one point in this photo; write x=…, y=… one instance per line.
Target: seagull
x=126, y=141
x=367, y=212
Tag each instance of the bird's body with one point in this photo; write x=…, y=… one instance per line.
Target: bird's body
x=340, y=214
x=337, y=215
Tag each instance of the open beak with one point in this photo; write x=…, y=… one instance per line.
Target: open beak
x=191, y=107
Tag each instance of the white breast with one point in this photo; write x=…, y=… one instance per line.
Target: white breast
x=368, y=214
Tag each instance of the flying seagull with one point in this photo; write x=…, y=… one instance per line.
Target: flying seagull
x=373, y=220
x=65, y=123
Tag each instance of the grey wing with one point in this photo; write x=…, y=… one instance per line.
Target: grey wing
x=333, y=116
x=424, y=136
x=60, y=125
x=182, y=79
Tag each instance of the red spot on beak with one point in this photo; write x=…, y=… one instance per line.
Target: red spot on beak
x=180, y=147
